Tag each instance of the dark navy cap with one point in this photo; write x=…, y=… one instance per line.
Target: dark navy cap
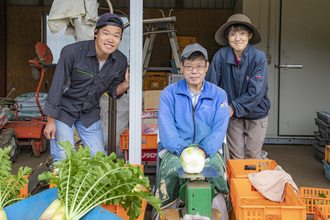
x=104, y=20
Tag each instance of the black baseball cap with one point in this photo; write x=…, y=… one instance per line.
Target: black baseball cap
x=105, y=19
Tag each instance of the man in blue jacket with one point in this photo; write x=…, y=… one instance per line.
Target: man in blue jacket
x=242, y=71
x=192, y=112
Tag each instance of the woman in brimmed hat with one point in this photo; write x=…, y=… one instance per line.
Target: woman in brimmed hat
x=242, y=71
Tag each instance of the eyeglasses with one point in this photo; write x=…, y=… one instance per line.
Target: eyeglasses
x=198, y=68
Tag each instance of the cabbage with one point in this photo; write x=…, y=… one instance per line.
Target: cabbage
x=192, y=160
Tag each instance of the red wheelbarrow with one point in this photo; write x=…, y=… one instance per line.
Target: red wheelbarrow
x=29, y=131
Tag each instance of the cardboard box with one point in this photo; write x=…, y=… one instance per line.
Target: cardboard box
x=153, y=121
x=151, y=100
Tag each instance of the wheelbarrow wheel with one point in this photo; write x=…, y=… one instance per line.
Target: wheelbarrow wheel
x=45, y=145
x=34, y=148
x=8, y=138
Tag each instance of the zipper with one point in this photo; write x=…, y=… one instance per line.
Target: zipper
x=193, y=116
x=237, y=94
x=84, y=72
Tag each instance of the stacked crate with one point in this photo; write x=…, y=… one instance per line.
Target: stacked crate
x=322, y=135
x=249, y=204
x=313, y=197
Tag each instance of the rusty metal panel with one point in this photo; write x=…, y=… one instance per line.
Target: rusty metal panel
x=27, y=130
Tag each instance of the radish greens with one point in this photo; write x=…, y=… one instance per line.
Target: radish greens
x=10, y=185
x=83, y=182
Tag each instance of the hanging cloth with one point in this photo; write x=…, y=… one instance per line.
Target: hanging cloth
x=78, y=16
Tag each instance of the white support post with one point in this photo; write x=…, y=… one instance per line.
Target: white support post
x=135, y=100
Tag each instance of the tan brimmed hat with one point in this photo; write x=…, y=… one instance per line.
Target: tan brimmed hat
x=220, y=37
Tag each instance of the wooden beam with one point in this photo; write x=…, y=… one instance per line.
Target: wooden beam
x=3, y=49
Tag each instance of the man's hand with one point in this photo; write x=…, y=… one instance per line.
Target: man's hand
x=124, y=86
x=127, y=75
x=50, y=128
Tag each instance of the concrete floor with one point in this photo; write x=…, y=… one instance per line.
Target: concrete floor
x=297, y=160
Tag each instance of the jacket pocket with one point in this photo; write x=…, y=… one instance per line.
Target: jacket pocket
x=81, y=73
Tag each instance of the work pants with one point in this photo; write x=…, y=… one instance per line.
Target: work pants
x=245, y=137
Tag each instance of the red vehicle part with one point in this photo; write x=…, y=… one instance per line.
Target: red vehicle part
x=30, y=133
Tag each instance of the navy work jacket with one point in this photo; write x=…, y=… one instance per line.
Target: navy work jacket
x=246, y=84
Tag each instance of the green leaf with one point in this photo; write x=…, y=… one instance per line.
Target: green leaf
x=84, y=182
x=10, y=185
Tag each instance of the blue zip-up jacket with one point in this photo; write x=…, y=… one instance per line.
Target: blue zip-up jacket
x=246, y=84
x=180, y=124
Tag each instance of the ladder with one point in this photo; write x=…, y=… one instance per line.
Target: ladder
x=158, y=26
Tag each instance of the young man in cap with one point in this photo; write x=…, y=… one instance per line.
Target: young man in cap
x=92, y=67
x=242, y=71
x=192, y=112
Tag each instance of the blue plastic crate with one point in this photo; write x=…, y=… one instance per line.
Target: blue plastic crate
x=326, y=169
x=32, y=208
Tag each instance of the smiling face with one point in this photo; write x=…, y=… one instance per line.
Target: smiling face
x=238, y=40
x=194, y=71
x=107, y=40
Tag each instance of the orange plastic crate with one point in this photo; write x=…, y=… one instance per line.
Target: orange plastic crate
x=241, y=168
x=149, y=141
x=249, y=204
x=327, y=153
x=310, y=197
x=24, y=189
x=322, y=212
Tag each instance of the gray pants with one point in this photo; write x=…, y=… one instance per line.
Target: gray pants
x=245, y=137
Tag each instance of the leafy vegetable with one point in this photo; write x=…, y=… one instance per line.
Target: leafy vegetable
x=322, y=195
x=192, y=160
x=83, y=182
x=10, y=185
